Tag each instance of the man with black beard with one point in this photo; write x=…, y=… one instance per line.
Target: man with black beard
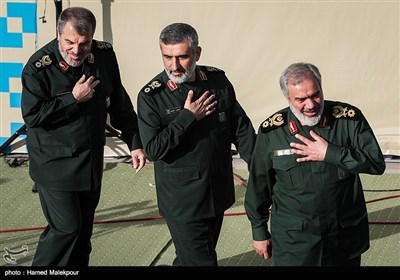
x=306, y=165
x=69, y=86
x=188, y=119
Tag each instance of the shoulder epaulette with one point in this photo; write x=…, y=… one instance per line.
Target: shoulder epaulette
x=212, y=69
x=344, y=111
x=43, y=62
x=153, y=86
x=102, y=45
x=278, y=119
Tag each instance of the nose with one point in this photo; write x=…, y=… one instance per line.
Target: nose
x=310, y=103
x=76, y=49
x=175, y=63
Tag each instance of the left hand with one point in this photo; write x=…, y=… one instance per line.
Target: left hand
x=311, y=150
x=138, y=159
x=263, y=248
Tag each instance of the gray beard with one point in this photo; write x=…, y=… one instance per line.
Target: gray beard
x=304, y=120
x=185, y=77
x=68, y=61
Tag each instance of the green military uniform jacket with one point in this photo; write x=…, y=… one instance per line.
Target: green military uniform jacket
x=318, y=209
x=66, y=139
x=192, y=159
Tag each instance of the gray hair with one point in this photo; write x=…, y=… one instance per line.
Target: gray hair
x=177, y=33
x=82, y=20
x=296, y=73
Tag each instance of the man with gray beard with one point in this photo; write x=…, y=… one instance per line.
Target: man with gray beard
x=188, y=119
x=69, y=87
x=306, y=165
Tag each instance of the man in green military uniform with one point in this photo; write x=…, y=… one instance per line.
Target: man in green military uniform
x=306, y=165
x=69, y=86
x=188, y=119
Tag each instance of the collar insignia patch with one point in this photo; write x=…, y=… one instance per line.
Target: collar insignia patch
x=91, y=58
x=63, y=65
x=203, y=76
x=292, y=127
x=171, y=85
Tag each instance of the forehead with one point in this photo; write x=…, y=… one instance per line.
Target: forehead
x=175, y=49
x=302, y=88
x=69, y=33
x=301, y=81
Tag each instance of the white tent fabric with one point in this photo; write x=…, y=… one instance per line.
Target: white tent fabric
x=355, y=44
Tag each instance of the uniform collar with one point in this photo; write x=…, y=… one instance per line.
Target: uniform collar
x=172, y=86
x=294, y=124
x=64, y=66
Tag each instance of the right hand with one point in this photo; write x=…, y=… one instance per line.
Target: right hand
x=203, y=106
x=83, y=90
x=138, y=159
x=263, y=248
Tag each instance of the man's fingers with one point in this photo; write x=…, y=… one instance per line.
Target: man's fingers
x=211, y=106
x=82, y=79
x=203, y=97
x=303, y=139
x=189, y=96
x=95, y=83
x=315, y=135
x=138, y=163
x=266, y=256
x=205, y=94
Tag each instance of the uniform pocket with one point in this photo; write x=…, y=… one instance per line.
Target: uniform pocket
x=289, y=223
x=289, y=173
x=56, y=151
x=181, y=175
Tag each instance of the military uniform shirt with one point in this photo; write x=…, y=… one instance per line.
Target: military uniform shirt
x=66, y=139
x=318, y=208
x=192, y=159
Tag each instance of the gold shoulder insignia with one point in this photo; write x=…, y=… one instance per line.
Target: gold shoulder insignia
x=345, y=111
x=43, y=62
x=152, y=86
x=103, y=45
x=275, y=121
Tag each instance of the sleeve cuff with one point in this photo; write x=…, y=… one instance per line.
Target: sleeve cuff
x=185, y=118
x=69, y=102
x=332, y=155
x=136, y=143
x=261, y=233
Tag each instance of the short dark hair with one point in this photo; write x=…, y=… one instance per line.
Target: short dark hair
x=177, y=33
x=82, y=20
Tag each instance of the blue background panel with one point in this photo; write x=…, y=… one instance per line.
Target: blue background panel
x=9, y=70
x=9, y=40
x=26, y=11
x=15, y=100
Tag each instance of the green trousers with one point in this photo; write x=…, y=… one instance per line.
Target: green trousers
x=195, y=241
x=66, y=239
